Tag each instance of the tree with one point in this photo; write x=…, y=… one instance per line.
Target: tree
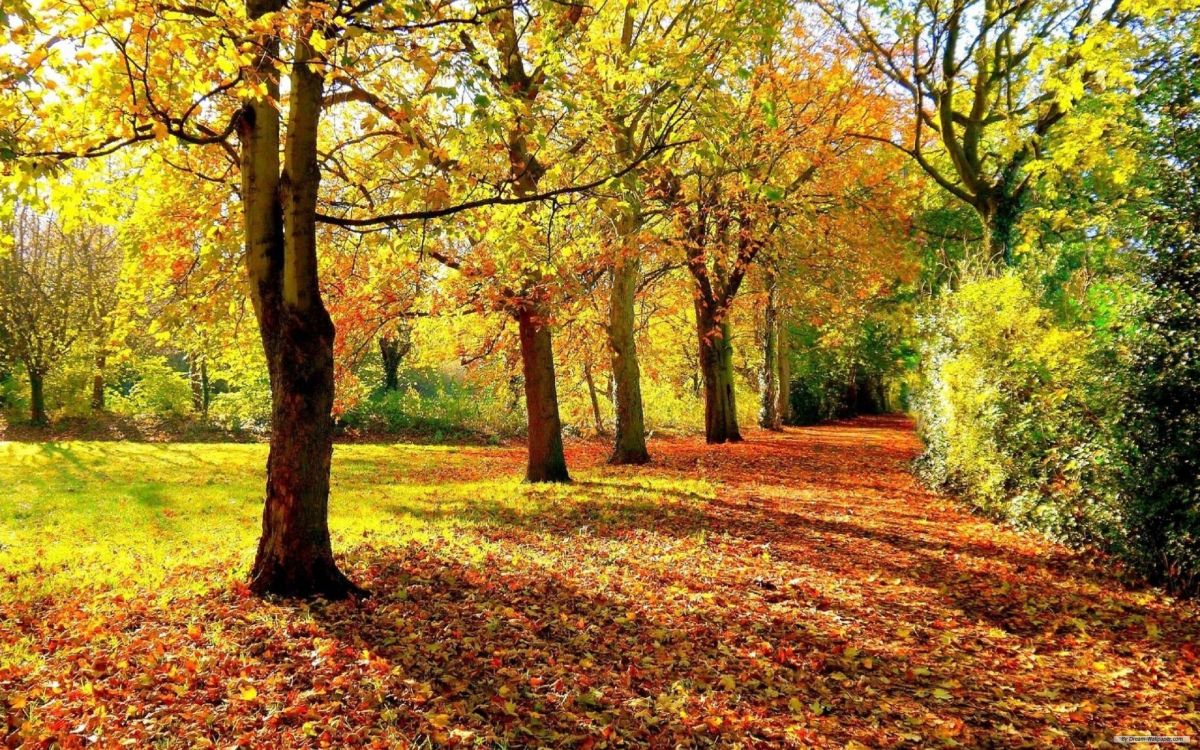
x=213, y=78
x=988, y=81
x=779, y=149
x=55, y=287
x=650, y=69
x=392, y=349
x=1164, y=442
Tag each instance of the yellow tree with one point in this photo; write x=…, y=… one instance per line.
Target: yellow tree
x=268, y=87
x=987, y=82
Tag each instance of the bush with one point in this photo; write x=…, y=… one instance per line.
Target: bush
x=1164, y=434
x=1018, y=412
x=247, y=408
x=432, y=406
x=158, y=390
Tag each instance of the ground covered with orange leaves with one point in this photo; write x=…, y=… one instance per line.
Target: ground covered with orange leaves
x=795, y=590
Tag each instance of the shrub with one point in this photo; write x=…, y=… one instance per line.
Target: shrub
x=1018, y=412
x=246, y=408
x=436, y=407
x=1164, y=422
x=158, y=390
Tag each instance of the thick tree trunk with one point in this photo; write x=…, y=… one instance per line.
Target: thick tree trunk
x=716, y=366
x=98, y=382
x=37, y=397
x=597, y=417
x=629, y=445
x=295, y=557
x=546, y=460
x=768, y=415
x=999, y=213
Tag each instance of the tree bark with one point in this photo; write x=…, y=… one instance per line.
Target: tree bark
x=295, y=556
x=629, y=444
x=591, y=384
x=716, y=366
x=98, y=382
x=198, y=379
x=390, y=355
x=768, y=416
x=784, y=408
x=37, y=398
x=547, y=463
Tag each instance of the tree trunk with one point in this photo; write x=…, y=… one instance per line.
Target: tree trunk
x=784, y=408
x=629, y=445
x=999, y=213
x=389, y=352
x=295, y=557
x=591, y=384
x=195, y=384
x=768, y=416
x=98, y=382
x=716, y=366
x=546, y=460
x=37, y=397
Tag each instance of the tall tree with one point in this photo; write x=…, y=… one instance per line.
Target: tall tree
x=987, y=82
x=647, y=83
x=53, y=290
x=143, y=72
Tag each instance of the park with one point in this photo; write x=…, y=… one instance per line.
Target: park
x=619, y=374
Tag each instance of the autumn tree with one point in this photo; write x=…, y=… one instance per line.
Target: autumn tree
x=55, y=288
x=987, y=82
x=649, y=68
x=273, y=90
x=779, y=147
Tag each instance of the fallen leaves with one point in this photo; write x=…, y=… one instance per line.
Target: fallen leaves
x=803, y=592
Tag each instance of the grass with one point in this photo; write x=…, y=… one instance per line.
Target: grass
x=124, y=515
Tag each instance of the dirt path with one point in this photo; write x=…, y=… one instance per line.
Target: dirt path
x=799, y=589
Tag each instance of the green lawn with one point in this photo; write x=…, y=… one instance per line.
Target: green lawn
x=115, y=514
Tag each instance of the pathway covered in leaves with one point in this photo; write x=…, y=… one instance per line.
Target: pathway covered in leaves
x=799, y=589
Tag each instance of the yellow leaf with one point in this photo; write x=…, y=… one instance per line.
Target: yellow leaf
x=441, y=721
x=248, y=693
x=318, y=42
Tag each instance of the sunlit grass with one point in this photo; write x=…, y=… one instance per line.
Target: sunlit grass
x=124, y=515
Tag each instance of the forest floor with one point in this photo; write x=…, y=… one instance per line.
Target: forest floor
x=799, y=589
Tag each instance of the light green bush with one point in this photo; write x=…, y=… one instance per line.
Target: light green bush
x=246, y=408
x=158, y=390
x=1018, y=412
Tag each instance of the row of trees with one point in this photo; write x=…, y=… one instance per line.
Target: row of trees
x=561, y=168
x=537, y=154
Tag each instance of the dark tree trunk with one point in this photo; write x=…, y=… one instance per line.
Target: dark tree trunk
x=546, y=460
x=1000, y=212
x=98, y=382
x=295, y=557
x=37, y=397
x=716, y=366
x=629, y=445
x=389, y=353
